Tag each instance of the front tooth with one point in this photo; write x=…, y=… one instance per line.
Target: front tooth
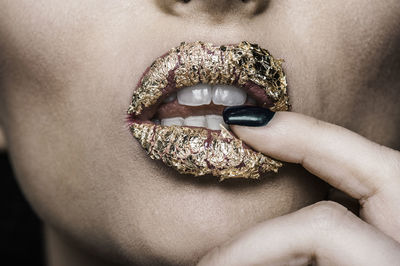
x=195, y=121
x=177, y=121
x=214, y=121
x=228, y=95
x=197, y=95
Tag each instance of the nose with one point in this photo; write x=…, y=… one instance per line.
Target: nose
x=216, y=9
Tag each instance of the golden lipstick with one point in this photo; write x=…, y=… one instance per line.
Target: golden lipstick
x=196, y=150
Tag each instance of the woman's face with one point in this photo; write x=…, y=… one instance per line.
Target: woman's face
x=68, y=70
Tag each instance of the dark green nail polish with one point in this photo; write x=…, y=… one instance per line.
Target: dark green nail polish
x=251, y=116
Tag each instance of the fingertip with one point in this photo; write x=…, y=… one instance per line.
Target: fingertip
x=252, y=116
x=282, y=138
x=260, y=132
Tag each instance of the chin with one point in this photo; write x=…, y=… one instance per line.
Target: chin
x=184, y=217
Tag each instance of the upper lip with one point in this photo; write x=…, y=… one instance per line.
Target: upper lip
x=244, y=65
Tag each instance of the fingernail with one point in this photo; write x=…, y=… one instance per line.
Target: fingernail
x=251, y=116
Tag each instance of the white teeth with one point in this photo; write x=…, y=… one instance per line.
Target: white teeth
x=213, y=122
x=228, y=95
x=209, y=121
x=170, y=98
x=195, y=121
x=197, y=95
x=177, y=121
x=202, y=94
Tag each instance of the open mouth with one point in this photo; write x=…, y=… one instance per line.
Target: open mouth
x=176, y=108
x=200, y=105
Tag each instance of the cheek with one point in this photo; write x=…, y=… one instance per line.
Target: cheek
x=341, y=61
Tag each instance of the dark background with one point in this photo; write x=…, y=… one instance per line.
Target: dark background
x=20, y=229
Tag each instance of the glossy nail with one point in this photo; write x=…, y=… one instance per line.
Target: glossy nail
x=251, y=116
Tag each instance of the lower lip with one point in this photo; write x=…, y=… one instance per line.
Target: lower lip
x=199, y=151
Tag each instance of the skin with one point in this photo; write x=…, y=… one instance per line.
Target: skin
x=67, y=72
x=326, y=232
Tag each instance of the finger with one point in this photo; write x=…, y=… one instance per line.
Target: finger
x=342, y=158
x=361, y=168
x=325, y=233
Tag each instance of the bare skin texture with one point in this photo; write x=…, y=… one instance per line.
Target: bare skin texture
x=67, y=71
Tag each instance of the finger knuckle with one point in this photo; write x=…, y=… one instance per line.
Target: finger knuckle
x=327, y=216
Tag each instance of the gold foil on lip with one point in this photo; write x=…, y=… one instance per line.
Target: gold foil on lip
x=198, y=151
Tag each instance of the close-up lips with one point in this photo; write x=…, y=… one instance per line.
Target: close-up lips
x=176, y=108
